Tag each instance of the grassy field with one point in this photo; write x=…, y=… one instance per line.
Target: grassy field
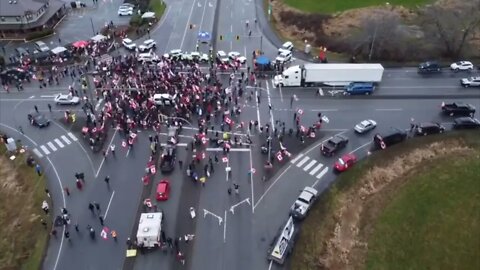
x=331, y=6
x=23, y=239
x=434, y=221
x=429, y=220
x=158, y=7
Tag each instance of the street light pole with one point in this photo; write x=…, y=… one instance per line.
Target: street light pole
x=93, y=28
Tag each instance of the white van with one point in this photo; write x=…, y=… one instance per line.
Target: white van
x=164, y=99
x=147, y=57
x=283, y=57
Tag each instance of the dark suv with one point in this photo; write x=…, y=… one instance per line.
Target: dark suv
x=429, y=128
x=429, y=67
x=389, y=138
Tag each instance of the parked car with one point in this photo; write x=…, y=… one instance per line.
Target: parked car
x=174, y=54
x=38, y=120
x=389, y=138
x=345, y=162
x=147, y=57
x=62, y=99
x=147, y=45
x=286, y=47
x=41, y=46
x=168, y=158
x=200, y=57
x=222, y=57
x=470, y=82
x=163, y=190
x=461, y=65
x=129, y=44
x=466, y=123
x=284, y=56
x=365, y=126
x=429, y=128
x=125, y=11
x=303, y=203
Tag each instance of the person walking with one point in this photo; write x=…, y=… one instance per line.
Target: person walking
x=67, y=235
x=236, y=187
x=21, y=130
x=101, y=220
x=114, y=235
x=180, y=164
x=36, y=108
x=49, y=107
x=107, y=180
x=67, y=191
x=112, y=149
x=97, y=206
x=38, y=169
x=91, y=207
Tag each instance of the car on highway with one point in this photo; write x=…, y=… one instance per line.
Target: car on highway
x=222, y=57
x=345, y=162
x=303, y=203
x=63, y=99
x=424, y=129
x=147, y=45
x=163, y=190
x=333, y=145
x=286, y=47
x=470, y=82
x=429, y=67
x=284, y=57
x=466, y=123
x=365, y=126
x=129, y=44
x=38, y=120
x=168, y=158
x=461, y=65
x=389, y=138
x=174, y=54
x=458, y=108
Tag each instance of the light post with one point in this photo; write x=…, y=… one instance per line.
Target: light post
x=93, y=28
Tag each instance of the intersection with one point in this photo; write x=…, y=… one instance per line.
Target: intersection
x=232, y=230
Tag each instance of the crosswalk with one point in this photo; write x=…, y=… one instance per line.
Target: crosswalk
x=310, y=165
x=54, y=145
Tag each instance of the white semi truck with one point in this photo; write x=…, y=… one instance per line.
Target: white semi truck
x=329, y=74
x=149, y=230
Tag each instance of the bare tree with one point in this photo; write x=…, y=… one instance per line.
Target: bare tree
x=452, y=26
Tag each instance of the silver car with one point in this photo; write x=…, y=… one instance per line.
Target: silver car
x=365, y=126
x=62, y=99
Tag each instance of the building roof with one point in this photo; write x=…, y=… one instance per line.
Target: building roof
x=55, y=5
x=10, y=8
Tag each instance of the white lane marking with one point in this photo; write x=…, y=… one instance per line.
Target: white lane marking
x=47, y=96
x=66, y=140
x=251, y=184
x=296, y=158
x=108, y=147
x=389, y=110
x=186, y=25
x=72, y=136
x=59, y=143
x=231, y=150
x=45, y=149
x=306, y=168
x=225, y=228
x=360, y=147
x=315, y=170
x=31, y=97
x=324, y=110
x=52, y=146
x=108, y=206
x=322, y=173
x=303, y=161
x=35, y=150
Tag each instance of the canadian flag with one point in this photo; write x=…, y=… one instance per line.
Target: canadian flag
x=153, y=170
x=228, y=121
x=124, y=143
x=104, y=233
x=204, y=140
x=300, y=111
x=279, y=156
x=224, y=159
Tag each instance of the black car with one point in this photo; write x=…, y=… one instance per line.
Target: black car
x=389, y=138
x=429, y=67
x=334, y=144
x=14, y=74
x=38, y=120
x=466, y=123
x=429, y=128
x=458, y=108
x=168, y=158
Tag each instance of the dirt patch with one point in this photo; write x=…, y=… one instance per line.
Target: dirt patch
x=358, y=209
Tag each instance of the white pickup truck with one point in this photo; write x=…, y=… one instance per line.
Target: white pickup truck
x=303, y=203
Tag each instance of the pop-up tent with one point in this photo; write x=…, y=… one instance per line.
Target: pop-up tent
x=98, y=38
x=58, y=50
x=148, y=15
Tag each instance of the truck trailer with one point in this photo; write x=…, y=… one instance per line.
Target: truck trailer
x=329, y=74
x=149, y=230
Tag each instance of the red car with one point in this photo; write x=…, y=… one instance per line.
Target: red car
x=163, y=190
x=345, y=162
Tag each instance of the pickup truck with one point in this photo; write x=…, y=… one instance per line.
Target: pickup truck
x=458, y=108
x=303, y=203
x=334, y=144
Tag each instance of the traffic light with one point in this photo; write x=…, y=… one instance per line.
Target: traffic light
x=221, y=37
x=238, y=37
x=191, y=26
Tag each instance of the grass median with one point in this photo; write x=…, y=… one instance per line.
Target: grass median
x=332, y=6
x=414, y=206
x=23, y=239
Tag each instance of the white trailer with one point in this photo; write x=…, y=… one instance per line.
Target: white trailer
x=149, y=229
x=329, y=74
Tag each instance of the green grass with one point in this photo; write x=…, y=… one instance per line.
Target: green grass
x=158, y=7
x=22, y=246
x=331, y=6
x=433, y=222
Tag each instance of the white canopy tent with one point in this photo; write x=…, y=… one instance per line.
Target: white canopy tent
x=148, y=15
x=98, y=38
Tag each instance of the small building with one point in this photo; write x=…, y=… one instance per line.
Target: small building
x=21, y=17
